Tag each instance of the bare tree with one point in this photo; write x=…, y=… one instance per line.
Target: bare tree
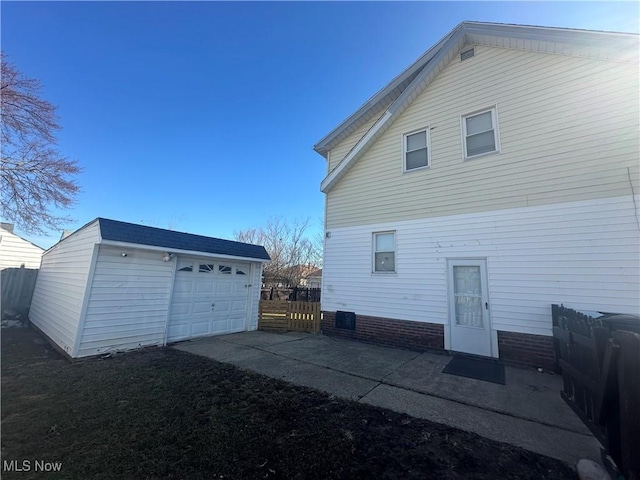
x=35, y=176
x=292, y=253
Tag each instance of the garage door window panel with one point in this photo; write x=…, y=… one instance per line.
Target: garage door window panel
x=185, y=266
x=206, y=268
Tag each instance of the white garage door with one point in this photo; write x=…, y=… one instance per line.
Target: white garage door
x=209, y=297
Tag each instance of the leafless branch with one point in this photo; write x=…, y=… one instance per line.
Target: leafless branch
x=35, y=177
x=293, y=254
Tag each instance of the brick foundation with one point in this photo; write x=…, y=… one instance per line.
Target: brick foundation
x=386, y=331
x=517, y=348
x=526, y=349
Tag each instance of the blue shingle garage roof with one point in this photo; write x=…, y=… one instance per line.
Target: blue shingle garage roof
x=159, y=237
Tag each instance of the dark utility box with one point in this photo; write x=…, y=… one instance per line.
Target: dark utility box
x=346, y=320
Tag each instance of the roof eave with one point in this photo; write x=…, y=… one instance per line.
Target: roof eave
x=142, y=246
x=452, y=42
x=553, y=34
x=326, y=143
x=72, y=234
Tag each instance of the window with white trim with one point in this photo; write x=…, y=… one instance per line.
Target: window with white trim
x=480, y=133
x=384, y=252
x=416, y=150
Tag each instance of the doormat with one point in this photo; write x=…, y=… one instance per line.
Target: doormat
x=478, y=368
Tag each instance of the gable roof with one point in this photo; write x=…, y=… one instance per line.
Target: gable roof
x=117, y=231
x=7, y=228
x=390, y=102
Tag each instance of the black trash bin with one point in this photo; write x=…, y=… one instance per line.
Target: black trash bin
x=621, y=321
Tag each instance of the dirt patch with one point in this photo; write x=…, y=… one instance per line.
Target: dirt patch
x=163, y=413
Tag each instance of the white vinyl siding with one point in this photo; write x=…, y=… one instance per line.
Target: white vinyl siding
x=61, y=285
x=254, y=296
x=568, y=132
x=15, y=252
x=128, y=301
x=582, y=254
x=416, y=150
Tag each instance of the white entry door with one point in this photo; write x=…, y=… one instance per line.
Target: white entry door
x=469, y=307
x=209, y=297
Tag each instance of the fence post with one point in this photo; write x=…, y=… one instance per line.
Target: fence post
x=315, y=317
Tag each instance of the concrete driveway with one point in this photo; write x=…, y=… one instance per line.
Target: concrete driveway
x=527, y=412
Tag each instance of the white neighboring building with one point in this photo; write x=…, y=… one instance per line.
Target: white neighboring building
x=15, y=251
x=494, y=177
x=313, y=279
x=116, y=286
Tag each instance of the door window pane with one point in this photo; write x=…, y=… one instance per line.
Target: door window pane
x=468, y=295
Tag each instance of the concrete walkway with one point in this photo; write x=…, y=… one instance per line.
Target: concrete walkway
x=527, y=412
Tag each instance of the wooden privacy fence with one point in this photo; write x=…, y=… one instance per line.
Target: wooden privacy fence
x=600, y=363
x=17, y=285
x=282, y=316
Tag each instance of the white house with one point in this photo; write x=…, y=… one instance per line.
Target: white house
x=494, y=177
x=15, y=251
x=116, y=286
x=313, y=279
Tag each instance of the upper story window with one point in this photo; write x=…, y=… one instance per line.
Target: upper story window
x=416, y=150
x=384, y=252
x=480, y=133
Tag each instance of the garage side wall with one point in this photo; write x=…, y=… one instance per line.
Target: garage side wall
x=60, y=288
x=254, y=301
x=129, y=301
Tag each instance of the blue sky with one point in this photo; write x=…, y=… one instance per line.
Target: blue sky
x=201, y=116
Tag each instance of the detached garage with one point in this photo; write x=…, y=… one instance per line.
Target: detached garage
x=117, y=286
